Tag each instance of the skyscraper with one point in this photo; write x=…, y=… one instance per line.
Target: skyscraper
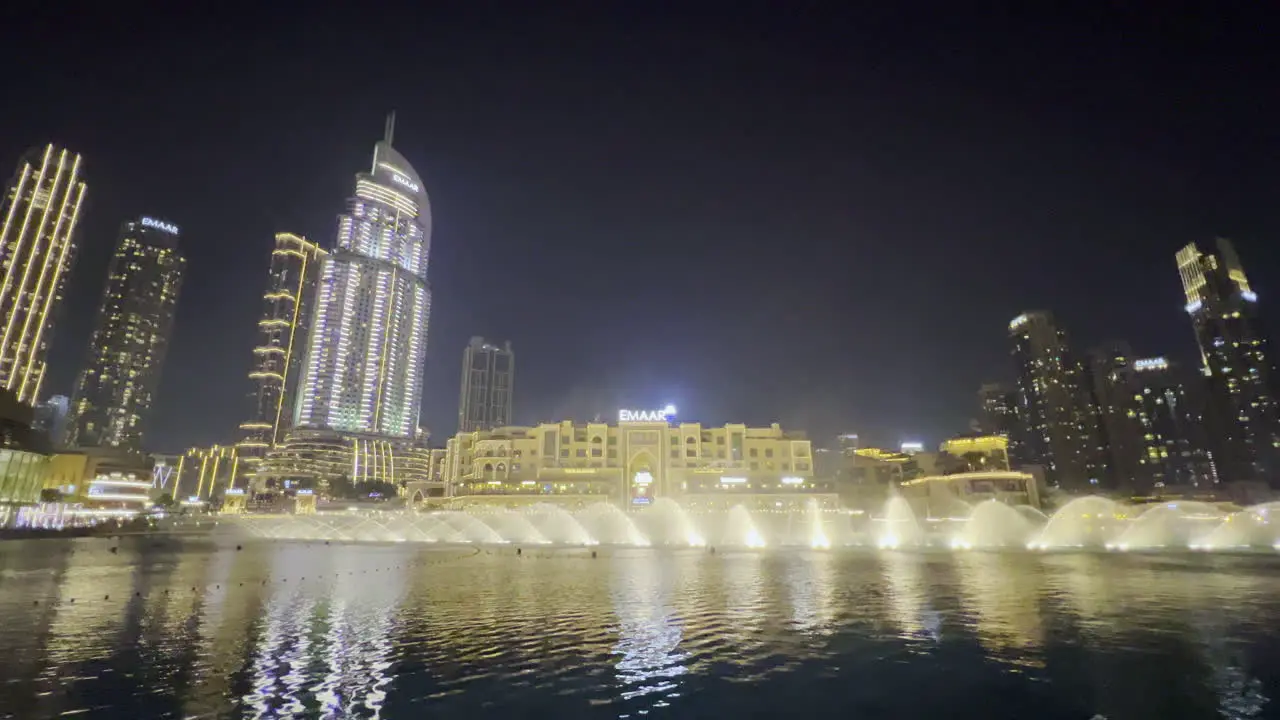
x=37, y=247
x=487, y=375
x=288, y=305
x=363, y=372
x=1152, y=426
x=117, y=386
x=1241, y=409
x=998, y=408
x=1057, y=420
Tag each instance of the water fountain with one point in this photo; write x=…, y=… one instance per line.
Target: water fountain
x=993, y=524
x=669, y=524
x=897, y=525
x=741, y=530
x=607, y=523
x=817, y=535
x=1084, y=522
x=1091, y=522
x=1175, y=524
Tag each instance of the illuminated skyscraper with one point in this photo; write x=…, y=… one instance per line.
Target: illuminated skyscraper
x=118, y=384
x=1241, y=413
x=488, y=372
x=37, y=247
x=288, y=305
x=1057, y=420
x=363, y=372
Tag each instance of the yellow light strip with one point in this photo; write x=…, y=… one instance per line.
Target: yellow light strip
x=59, y=268
x=288, y=353
x=16, y=310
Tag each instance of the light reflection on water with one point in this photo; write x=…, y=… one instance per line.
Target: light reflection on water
x=169, y=628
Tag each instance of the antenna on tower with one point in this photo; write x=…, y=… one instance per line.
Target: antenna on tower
x=391, y=127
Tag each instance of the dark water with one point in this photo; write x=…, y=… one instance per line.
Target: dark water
x=197, y=629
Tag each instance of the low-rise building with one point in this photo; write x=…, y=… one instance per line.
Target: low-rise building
x=640, y=459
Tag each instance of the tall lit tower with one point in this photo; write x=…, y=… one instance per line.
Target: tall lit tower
x=1057, y=420
x=118, y=384
x=363, y=372
x=37, y=247
x=1242, y=412
x=487, y=374
x=288, y=305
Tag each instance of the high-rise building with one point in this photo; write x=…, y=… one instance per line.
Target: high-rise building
x=288, y=306
x=37, y=248
x=117, y=386
x=1109, y=372
x=1057, y=420
x=998, y=414
x=1151, y=424
x=487, y=375
x=367, y=347
x=1244, y=428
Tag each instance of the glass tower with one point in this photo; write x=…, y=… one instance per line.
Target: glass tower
x=364, y=366
x=118, y=384
x=37, y=247
x=487, y=374
x=1242, y=412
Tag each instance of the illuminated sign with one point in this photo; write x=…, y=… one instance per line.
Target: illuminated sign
x=160, y=225
x=405, y=182
x=733, y=481
x=643, y=478
x=1249, y=295
x=792, y=481
x=1193, y=306
x=1156, y=363
x=1017, y=321
x=663, y=415
x=306, y=492
x=235, y=491
x=912, y=447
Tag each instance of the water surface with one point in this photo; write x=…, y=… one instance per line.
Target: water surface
x=196, y=628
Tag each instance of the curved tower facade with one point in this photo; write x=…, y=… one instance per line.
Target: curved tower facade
x=368, y=341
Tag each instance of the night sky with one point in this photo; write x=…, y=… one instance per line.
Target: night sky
x=758, y=212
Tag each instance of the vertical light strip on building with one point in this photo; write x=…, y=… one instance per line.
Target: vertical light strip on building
x=36, y=254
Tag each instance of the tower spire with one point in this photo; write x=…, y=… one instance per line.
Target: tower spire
x=389, y=135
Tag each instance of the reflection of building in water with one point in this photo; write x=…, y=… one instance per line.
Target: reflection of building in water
x=811, y=590
x=649, y=631
x=909, y=603
x=1002, y=596
x=342, y=629
x=633, y=463
x=939, y=496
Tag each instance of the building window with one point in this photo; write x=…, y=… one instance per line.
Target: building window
x=720, y=454
x=768, y=452
x=719, y=439
x=564, y=453
x=755, y=465
x=675, y=453
x=802, y=466
x=752, y=452
x=613, y=453
x=691, y=453
x=582, y=452
x=595, y=452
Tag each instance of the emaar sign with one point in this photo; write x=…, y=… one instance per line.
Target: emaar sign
x=406, y=182
x=663, y=415
x=160, y=225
